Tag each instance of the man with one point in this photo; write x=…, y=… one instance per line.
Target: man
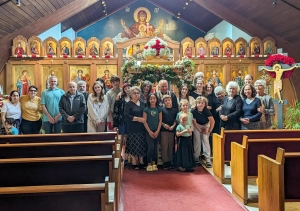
x=111, y=97
x=72, y=107
x=50, y=99
x=163, y=90
x=81, y=87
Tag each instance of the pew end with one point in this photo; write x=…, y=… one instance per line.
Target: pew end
x=239, y=172
x=271, y=182
x=218, y=157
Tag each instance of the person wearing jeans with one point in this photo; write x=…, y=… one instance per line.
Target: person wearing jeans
x=203, y=125
x=50, y=104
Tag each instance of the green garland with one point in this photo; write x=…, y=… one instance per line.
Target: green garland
x=178, y=74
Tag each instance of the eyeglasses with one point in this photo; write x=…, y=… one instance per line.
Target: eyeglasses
x=32, y=90
x=135, y=93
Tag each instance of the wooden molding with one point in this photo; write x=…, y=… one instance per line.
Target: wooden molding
x=42, y=25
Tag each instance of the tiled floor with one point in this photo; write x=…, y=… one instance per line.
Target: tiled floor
x=253, y=193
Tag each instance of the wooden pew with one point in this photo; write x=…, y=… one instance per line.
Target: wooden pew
x=69, y=197
x=278, y=180
x=57, y=149
x=60, y=137
x=222, y=145
x=59, y=173
x=244, y=160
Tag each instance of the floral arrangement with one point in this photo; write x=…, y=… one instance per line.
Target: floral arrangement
x=280, y=59
x=156, y=47
x=181, y=72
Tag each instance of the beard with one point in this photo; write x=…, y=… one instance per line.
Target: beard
x=81, y=91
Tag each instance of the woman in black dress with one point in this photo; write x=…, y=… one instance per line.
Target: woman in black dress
x=217, y=103
x=136, y=136
x=232, y=108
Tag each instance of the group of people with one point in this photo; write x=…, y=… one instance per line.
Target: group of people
x=182, y=125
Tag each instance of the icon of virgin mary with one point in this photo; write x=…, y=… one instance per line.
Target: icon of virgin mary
x=142, y=27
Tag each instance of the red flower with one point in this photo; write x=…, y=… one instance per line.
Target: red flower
x=146, y=47
x=280, y=59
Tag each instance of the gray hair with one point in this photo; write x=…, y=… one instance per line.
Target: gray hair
x=199, y=74
x=260, y=82
x=53, y=76
x=132, y=89
x=233, y=84
x=219, y=89
x=72, y=82
x=81, y=83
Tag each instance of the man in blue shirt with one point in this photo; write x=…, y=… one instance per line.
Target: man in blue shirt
x=50, y=100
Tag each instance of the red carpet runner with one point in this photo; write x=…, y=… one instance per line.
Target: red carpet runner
x=175, y=191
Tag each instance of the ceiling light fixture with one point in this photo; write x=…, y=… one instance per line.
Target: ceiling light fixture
x=103, y=2
x=186, y=3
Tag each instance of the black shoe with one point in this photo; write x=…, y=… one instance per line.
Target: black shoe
x=135, y=167
x=126, y=163
x=166, y=166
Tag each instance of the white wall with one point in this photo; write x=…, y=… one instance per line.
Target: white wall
x=70, y=33
x=225, y=29
x=56, y=33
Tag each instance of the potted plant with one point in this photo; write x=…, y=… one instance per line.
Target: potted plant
x=292, y=116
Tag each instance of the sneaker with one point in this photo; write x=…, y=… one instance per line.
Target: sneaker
x=208, y=164
x=198, y=161
x=154, y=168
x=149, y=168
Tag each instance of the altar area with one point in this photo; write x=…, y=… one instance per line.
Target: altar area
x=33, y=61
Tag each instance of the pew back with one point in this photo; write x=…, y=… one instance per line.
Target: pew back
x=59, y=137
x=56, y=149
x=55, y=170
x=278, y=180
x=244, y=160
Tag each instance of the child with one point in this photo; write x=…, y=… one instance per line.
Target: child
x=9, y=125
x=184, y=155
x=184, y=107
x=204, y=123
x=153, y=118
x=167, y=131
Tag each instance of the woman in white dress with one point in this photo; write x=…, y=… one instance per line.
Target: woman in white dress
x=97, y=109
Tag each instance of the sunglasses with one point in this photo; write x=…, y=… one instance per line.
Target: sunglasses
x=32, y=90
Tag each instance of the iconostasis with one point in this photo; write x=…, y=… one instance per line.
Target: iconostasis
x=34, y=61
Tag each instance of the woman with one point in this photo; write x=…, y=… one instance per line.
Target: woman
x=232, y=108
x=184, y=95
x=267, y=108
x=217, y=102
x=251, y=116
x=97, y=109
x=102, y=82
x=11, y=109
x=209, y=89
x=248, y=79
x=199, y=89
x=136, y=136
x=31, y=112
x=118, y=114
x=146, y=88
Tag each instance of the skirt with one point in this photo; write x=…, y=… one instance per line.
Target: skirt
x=122, y=129
x=185, y=154
x=136, y=144
x=251, y=126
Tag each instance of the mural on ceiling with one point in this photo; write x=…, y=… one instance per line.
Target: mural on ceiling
x=139, y=19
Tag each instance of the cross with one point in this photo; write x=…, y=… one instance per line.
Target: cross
x=280, y=112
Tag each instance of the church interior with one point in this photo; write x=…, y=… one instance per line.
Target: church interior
x=154, y=40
